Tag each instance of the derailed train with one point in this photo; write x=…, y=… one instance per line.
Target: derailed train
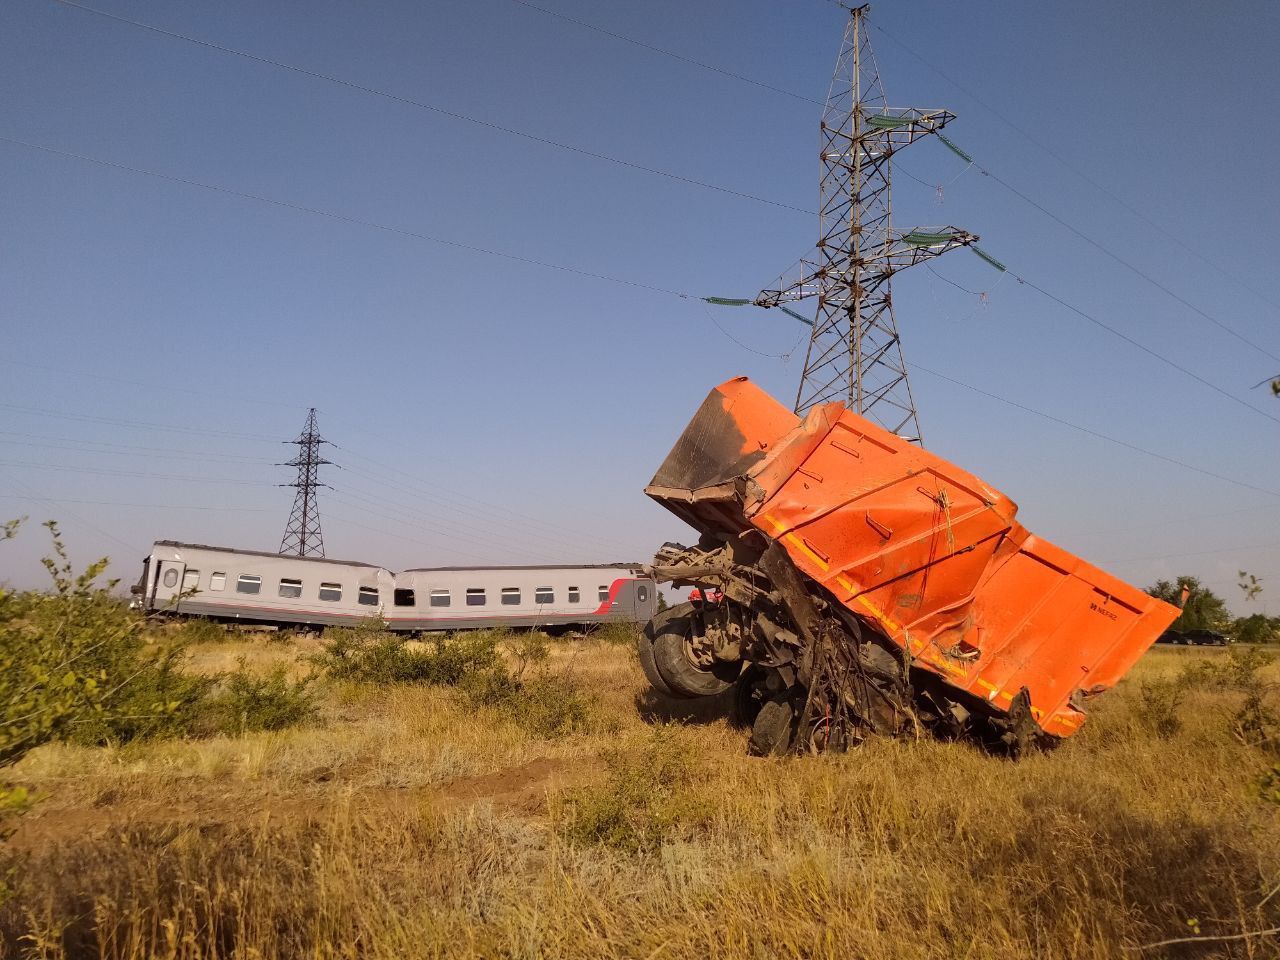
x=249, y=586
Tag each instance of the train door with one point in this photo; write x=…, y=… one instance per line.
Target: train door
x=642, y=600
x=166, y=582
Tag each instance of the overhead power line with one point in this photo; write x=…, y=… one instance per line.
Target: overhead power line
x=342, y=218
x=1097, y=434
x=1093, y=182
x=149, y=506
x=985, y=171
x=72, y=468
x=34, y=497
x=434, y=108
x=144, y=424
x=668, y=53
x=556, y=266
x=160, y=383
x=1144, y=348
x=488, y=252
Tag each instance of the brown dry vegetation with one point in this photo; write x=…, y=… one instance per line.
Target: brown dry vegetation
x=409, y=822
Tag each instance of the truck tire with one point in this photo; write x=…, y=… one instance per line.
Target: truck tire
x=749, y=695
x=774, y=728
x=681, y=675
x=644, y=647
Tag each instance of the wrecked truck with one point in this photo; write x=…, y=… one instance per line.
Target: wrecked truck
x=849, y=583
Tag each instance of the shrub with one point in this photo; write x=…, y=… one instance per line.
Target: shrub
x=615, y=633
x=199, y=630
x=75, y=664
x=1158, y=707
x=647, y=798
x=1256, y=722
x=370, y=653
x=245, y=703
x=546, y=706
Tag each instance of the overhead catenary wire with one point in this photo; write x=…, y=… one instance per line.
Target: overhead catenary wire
x=185, y=456
x=1269, y=545
x=344, y=498
x=434, y=108
x=1096, y=433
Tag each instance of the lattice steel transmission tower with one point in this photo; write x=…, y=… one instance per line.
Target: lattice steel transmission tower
x=302, y=536
x=854, y=353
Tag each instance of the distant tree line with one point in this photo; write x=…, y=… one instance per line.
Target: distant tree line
x=1205, y=610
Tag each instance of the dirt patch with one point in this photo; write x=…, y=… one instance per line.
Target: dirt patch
x=521, y=790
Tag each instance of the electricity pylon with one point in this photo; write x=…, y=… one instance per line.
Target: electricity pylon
x=302, y=535
x=854, y=353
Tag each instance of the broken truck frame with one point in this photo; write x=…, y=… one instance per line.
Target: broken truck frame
x=867, y=586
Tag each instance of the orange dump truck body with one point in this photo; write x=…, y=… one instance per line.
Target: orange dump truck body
x=924, y=550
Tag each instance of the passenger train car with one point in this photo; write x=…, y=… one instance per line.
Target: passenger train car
x=249, y=586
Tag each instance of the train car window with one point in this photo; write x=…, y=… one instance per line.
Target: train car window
x=171, y=577
x=218, y=581
x=248, y=583
x=642, y=594
x=511, y=596
x=441, y=598
x=368, y=596
x=190, y=580
x=574, y=595
x=404, y=598
x=544, y=595
x=331, y=591
x=290, y=588
x=604, y=592
x=476, y=597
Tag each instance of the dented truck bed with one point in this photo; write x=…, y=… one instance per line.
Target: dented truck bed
x=920, y=549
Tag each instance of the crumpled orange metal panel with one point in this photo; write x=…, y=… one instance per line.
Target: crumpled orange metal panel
x=922, y=548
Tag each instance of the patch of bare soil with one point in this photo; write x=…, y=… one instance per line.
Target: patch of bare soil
x=521, y=790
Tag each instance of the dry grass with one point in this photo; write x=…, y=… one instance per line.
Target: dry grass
x=411, y=823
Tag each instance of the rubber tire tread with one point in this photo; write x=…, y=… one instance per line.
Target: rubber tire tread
x=644, y=648
x=681, y=676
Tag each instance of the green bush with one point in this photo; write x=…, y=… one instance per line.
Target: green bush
x=245, y=702
x=547, y=706
x=368, y=652
x=196, y=630
x=615, y=633
x=650, y=796
x=1158, y=707
x=77, y=664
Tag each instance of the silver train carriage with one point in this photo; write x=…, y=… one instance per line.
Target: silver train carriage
x=250, y=586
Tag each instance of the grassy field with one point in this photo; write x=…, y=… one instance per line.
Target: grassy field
x=408, y=821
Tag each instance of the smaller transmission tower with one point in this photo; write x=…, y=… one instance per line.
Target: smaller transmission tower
x=302, y=537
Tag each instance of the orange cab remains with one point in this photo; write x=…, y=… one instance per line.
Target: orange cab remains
x=870, y=584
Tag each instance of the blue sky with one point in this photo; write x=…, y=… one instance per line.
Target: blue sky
x=161, y=339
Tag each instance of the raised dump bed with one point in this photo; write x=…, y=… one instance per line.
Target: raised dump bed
x=869, y=584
